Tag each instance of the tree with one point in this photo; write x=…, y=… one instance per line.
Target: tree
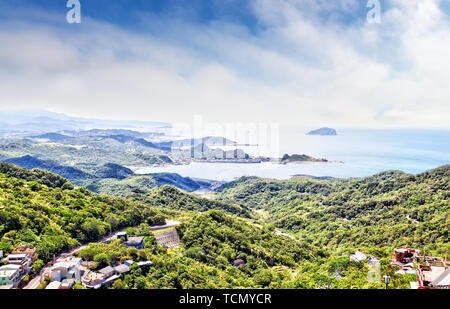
x=119, y=285
x=141, y=283
x=102, y=259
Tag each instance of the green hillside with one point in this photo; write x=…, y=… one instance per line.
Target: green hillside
x=45, y=210
x=139, y=184
x=210, y=242
x=327, y=220
x=171, y=198
x=386, y=210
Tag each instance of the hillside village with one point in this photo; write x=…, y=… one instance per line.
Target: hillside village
x=67, y=270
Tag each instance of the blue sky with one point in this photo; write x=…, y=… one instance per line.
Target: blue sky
x=126, y=12
x=288, y=61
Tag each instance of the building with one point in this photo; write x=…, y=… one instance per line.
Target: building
x=122, y=235
x=67, y=284
x=144, y=264
x=129, y=262
x=92, y=279
x=107, y=271
x=54, y=285
x=405, y=255
x=406, y=269
x=108, y=281
x=9, y=275
x=22, y=259
x=442, y=281
x=121, y=269
x=66, y=268
x=25, y=249
x=135, y=242
x=433, y=277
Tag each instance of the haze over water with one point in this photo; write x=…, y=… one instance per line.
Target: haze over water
x=364, y=153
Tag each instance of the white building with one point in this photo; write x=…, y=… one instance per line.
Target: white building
x=66, y=268
x=20, y=259
x=54, y=285
x=9, y=275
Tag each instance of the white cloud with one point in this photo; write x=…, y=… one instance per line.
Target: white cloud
x=299, y=69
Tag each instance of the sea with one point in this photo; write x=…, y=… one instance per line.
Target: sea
x=353, y=152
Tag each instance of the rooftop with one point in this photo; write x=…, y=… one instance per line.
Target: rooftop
x=17, y=256
x=7, y=273
x=135, y=240
x=145, y=263
x=106, y=270
x=443, y=279
x=24, y=249
x=122, y=268
x=10, y=267
x=433, y=274
x=54, y=285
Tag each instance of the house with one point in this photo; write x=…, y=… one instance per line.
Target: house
x=67, y=284
x=433, y=277
x=129, y=262
x=66, y=268
x=404, y=255
x=121, y=269
x=406, y=269
x=107, y=271
x=105, y=276
x=9, y=275
x=92, y=279
x=122, y=235
x=107, y=282
x=136, y=242
x=25, y=249
x=22, y=259
x=145, y=264
x=238, y=263
x=54, y=285
x=442, y=281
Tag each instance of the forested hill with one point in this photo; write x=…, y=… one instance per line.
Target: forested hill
x=40, y=176
x=45, y=210
x=385, y=210
x=171, y=198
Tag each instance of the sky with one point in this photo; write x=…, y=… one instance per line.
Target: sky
x=299, y=62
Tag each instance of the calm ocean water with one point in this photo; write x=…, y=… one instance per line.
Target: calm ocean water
x=364, y=153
